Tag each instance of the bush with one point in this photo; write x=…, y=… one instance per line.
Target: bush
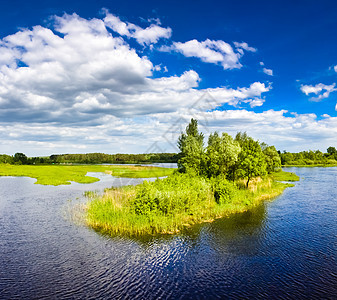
x=146, y=200
x=175, y=194
x=224, y=191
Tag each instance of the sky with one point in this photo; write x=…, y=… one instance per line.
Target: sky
x=127, y=76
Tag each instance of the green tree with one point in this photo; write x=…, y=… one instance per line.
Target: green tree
x=331, y=150
x=251, y=160
x=6, y=159
x=221, y=154
x=20, y=158
x=272, y=158
x=191, y=145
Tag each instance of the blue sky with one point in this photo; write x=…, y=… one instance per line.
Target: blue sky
x=113, y=76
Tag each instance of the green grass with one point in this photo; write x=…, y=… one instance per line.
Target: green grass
x=59, y=174
x=168, y=205
x=285, y=176
x=326, y=165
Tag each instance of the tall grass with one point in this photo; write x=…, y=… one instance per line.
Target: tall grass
x=167, y=205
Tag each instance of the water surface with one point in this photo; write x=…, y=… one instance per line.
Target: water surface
x=282, y=249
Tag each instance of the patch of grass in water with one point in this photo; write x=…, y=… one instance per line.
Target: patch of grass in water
x=285, y=176
x=61, y=175
x=169, y=205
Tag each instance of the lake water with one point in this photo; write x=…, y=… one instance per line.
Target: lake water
x=286, y=248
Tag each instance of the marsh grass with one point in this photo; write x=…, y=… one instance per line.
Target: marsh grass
x=168, y=205
x=59, y=174
x=313, y=165
x=285, y=176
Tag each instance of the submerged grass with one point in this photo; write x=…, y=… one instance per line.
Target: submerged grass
x=59, y=174
x=168, y=205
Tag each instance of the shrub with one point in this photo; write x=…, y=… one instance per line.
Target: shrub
x=175, y=194
x=224, y=191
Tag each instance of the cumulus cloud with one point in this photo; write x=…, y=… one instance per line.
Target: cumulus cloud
x=78, y=71
x=144, y=36
x=159, y=132
x=321, y=90
x=210, y=51
x=286, y=131
x=78, y=87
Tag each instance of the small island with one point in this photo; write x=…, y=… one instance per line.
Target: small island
x=229, y=175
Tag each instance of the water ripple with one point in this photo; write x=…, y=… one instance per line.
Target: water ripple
x=283, y=249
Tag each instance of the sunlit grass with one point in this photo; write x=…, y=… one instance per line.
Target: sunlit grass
x=285, y=176
x=58, y=174
x=169, y=205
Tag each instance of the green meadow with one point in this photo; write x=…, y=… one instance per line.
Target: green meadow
x=65, y=174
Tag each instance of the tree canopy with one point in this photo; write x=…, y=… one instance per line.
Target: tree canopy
x=242, y=157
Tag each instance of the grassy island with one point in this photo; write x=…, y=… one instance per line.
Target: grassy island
x=65, y=174
x=228, y=176
x=170, y=204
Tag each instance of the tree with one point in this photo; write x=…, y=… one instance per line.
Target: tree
x=273, y=160
x=221, y=154
x=6, y=159
x=241, y=137
x=251, y=160
x=191, y=145
x=286, y=158
x=20, y=158
x=331, y=150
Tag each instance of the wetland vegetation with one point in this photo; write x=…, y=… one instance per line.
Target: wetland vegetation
x=63, y=174
x=310, y=158
x=229, y=175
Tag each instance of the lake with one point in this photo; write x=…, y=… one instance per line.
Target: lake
x=282, y=249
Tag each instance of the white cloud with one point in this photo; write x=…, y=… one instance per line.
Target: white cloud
x=268, y=71
x=85, y=73
x=335, y=68
x=256, y=102
x=285, y=131
x=77, y=87
x=321, y=90
x=216, y=52
x=244, y=46
x=144, y=36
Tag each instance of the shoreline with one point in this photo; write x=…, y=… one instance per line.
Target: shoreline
x=310, y=166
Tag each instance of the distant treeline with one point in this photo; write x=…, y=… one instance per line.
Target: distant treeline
x=310, y=158
x=90, y=158
x=100, y=158
x=304, y=158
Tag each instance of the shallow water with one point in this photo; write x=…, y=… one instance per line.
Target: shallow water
x=283, y=249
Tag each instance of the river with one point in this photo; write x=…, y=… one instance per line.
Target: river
x=283, y=249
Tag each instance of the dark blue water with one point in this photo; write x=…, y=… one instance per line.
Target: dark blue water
x=282, y=249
